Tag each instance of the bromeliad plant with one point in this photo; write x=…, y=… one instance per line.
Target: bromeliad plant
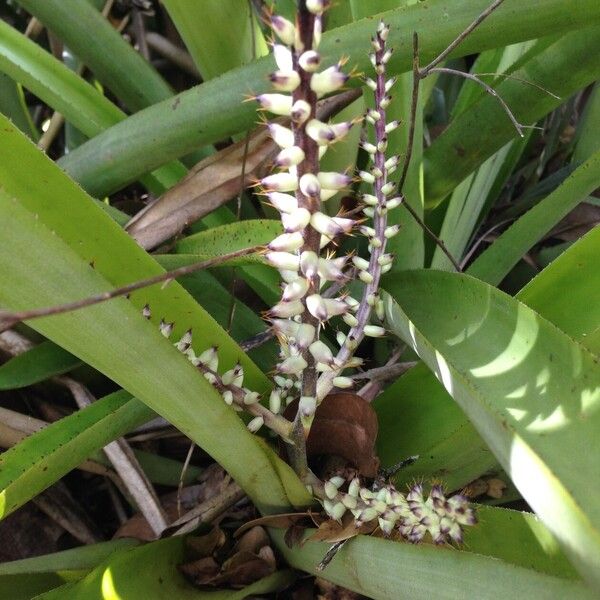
x=304, y=255
x=523, y=370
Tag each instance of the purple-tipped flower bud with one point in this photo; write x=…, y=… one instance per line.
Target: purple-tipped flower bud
x=389, y=84
x=296, y=220
x=310, y=61
x=368, y=147
x=340, y=130
x=251, y=398
x=328, y=81
x=320, y=132
x=331, y=226
x=285, y=310
x=391, y=231
x=315, y=304
x=307, y=407
x=309, y=185
x=383, y=30
x=285, y=81
x=331, y=269
x=185, y=342
x=285, y=203
x=295, y=290
x=278, y=104
x=321, y=352
x=290, y=157
x=292, y=365
x=281, y=135
x=333, y=180
x=300, y=111
x=309, y=263
x=166, y=328
x=391, y=126
x=287, y=242
x=371, y=83
x=284, y=29
x=280, y=182
x=146, y=312
x=283, y=260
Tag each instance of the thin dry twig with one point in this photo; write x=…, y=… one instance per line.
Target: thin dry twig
x=9, y=319
x=126, y=465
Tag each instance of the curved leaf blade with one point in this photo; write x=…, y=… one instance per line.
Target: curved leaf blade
x=531, y=391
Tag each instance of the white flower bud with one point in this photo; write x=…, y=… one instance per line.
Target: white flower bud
x=331, y=226
x=370, y=148
x=366, y=177
x=281, y=135
x=333, y=180
x=321, y=352
x=391, y=231
x=369, y=212
x=350, y=320
x=354, y=488
x=288, y=276
x=367, y=231
x=211, y=378
x=340, y=338
x=305, y=335
x=369, y=199
x=316, y=7
x=391, y=126
x=300, y=111
x=315, y=304
x=285, y=203
x=234, y=376
x=309, y=185
x=280, y=182
x=394, y=202
x=388, y=188
x=292, y=365
x=374, y=331
x=290, y=157
x=317, y=32
x=386, y=269
x=296, y=220
x=295, y=290
x=353, y=363
x=353, y=303
x=386, y=56
x=309, y=263
x=335, y=307
x=383, y=30
x=285, y=81
x=275, y=401
x=380, y=310
x=284, y=29
x=343, y=382
x=330, y=490
x=251, y=398
x=320, y=132
x=389, y=84
x=146, y=312
x=255, y=424
x=360, y=263
x=185, y=342
x=228, y=397
x=331, y=269
x=209, y=358
x=287, y=242
x=385, y=102
x=285, y=310
x=278, y=104
x=166, y=328
x=283, y=57
x=338, y=511
x=371, y=83
x=375, y=243
x=385, y=259
x=310, y=61
x=328, y=81
x=366, y=277
x=283, y=260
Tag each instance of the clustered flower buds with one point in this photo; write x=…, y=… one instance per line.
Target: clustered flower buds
x=313, y=276
x=412, y=515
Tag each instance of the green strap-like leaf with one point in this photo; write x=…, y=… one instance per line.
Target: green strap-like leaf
x=214, y=110
x=92, y=39
x=66, y=259
x=563, y=68
x=219, y=35
x=156, y=577
x=496, y=262
x=41, y=362
x=386, y=570
x=532, y=393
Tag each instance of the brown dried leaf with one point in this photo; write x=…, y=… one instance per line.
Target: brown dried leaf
x=201, y=546
x=331, y=531
x=345, y=425
x=281, y=521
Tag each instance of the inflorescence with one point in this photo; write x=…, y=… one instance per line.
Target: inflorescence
x=304, y=254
